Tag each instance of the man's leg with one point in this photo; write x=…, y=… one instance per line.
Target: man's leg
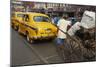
x=60, y=48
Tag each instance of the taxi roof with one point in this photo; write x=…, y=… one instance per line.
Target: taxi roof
x=19, y=12
x=36, y=14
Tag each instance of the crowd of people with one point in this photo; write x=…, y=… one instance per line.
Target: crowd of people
x=64, y=26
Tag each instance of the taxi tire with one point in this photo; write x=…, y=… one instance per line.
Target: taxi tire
x=19, y=30
x=12, y=26
x=16, y=28
x=29, y=39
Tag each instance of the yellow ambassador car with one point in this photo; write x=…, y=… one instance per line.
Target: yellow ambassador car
x=37, y=26
x=16, y=18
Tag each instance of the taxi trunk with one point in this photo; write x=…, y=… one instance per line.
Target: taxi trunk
x=45, y=30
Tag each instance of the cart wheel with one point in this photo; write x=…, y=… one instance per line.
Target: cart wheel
x=61, y=53
x=67, y=54
x=73, y=51
x=89, y=53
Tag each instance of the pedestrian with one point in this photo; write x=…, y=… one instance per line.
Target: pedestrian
x=52, y=19
x=73, y=20
x=56, y=19
x=63, y=23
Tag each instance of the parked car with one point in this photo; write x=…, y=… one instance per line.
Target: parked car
x=16, y=17
x=37, y=26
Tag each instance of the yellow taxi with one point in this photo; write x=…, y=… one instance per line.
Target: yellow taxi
x=37, y=26
x=16, y=18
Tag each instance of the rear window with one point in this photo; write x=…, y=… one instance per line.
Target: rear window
x=41, y=19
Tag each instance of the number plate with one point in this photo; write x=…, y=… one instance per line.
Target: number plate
x=48, y=31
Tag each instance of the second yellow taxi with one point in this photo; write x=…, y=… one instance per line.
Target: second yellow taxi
x=16, y=18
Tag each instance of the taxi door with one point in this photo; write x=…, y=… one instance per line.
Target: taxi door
x=23, y=24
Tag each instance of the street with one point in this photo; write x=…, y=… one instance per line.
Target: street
x=40, y=52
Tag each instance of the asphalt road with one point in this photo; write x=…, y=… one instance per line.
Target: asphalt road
x=41, y=52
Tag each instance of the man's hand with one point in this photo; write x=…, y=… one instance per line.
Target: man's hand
x=68, y=27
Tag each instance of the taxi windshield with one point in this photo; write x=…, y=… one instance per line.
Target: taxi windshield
x=41, y=19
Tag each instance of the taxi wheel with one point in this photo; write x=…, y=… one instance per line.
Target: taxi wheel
x=16, y=28
x=29, y=39
x=19, y=30
x=12, y=26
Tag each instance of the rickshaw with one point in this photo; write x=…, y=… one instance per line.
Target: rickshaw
x=82, y=46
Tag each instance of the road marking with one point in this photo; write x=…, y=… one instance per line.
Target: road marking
x=36, y=52
x=45, y=58
x=51, y=56
x=41, y=58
